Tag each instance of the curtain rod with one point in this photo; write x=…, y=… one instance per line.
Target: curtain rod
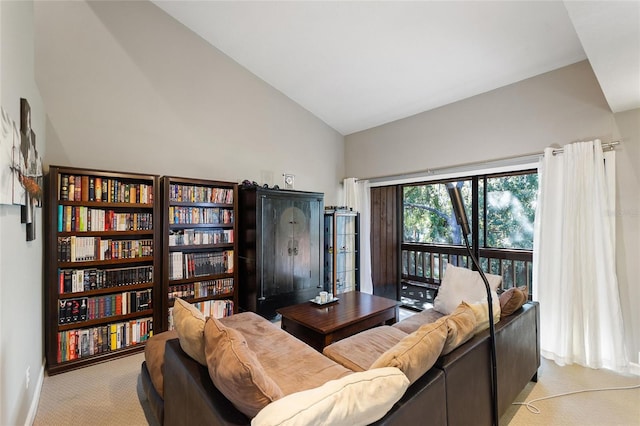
x=605, y=146
x=512, y=160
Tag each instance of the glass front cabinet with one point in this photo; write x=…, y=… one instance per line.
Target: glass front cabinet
x=341, y=250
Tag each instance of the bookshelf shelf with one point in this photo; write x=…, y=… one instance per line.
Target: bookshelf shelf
x=100, y=305
x=105, y=233
x=108, y=290
x=93, y=359
x=199, y=244
x=106, y=205
x=201, y=278
x=201, y=225
x=144, y=259
x=227, y=295
x=200, y=247
x=106, y=320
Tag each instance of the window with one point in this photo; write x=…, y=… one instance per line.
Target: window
x=428, y=215
x=510, y=211
x=500, y=209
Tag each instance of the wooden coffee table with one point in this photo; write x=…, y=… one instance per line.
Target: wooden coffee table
x=319, y=326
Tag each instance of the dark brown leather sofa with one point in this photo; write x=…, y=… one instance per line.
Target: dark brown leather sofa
x=456, y=391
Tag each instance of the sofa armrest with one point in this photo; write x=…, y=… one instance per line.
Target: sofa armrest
x=190, y=398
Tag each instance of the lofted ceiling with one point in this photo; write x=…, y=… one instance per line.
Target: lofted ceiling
x=360, y=64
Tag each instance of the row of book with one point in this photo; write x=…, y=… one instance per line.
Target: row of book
x=94, y=188
x=188, y=265
x=209, y=308
x=89, y=308
x=200, y=215
x=77, y=280
x=75, y=344
x=201, y=289
x=189, y=237
x=200, y=194
x=82, y=218
x=83, y=249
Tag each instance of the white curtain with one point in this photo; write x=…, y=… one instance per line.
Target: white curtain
x=357, y=196
x=574, y=276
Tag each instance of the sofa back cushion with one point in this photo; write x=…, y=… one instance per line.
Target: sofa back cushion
x=462, y=284
x=512, y=299
x=189, y=323
x=461, y=325
x=481, y=312
x=416, y=353
x=360, y=351
x=236, y=371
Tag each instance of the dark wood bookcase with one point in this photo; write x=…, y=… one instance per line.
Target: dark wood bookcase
x=200, y=255
x=102, y=265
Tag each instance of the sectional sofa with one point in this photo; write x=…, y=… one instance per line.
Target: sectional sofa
x=454, y=390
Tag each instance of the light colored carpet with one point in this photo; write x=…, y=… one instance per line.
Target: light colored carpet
x=597, y=408
x=110, y=394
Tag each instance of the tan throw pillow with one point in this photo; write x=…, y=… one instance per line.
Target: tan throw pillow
x=236, y=371
x=512, y=299
x=415, y=354
x=461, y=284
x=461, y=325
x=189, y=323
x=481, y=312
x=356, y=399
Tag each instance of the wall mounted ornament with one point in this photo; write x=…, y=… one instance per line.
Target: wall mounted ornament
x=8, y=131
x=29, y=171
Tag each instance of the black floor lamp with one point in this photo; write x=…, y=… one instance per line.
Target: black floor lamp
x=461, y=218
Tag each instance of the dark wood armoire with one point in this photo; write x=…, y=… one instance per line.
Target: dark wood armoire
x=280, y=248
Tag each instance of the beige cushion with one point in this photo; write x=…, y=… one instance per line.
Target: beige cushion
x=235, y=370
x=512, y=299
x=154, y=357
x=481, y=312
x=461, y=284
x=293, y=365
x=416, y=353
x=461, y=326
x=189, y=323
x=361, y=350
x=415, y=321
x=357, y=399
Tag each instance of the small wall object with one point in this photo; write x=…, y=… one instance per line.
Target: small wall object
x=8, y=132
x=29, y=170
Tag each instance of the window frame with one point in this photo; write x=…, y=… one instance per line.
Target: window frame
x=439, y=254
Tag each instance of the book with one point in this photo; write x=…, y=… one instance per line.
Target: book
x=84, y=194
x=64, y=187
x=71, y=188
x=98, y=189
x=92, y=189
x=78, y=189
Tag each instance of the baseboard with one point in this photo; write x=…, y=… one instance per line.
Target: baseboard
x=634, y=368
x=33, y=409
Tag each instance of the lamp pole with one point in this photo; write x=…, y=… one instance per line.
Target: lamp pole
x=461, y=219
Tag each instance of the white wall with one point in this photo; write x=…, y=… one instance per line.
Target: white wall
x=128, y=88
x=628, y=225
x=21, y=314
x=551, y=109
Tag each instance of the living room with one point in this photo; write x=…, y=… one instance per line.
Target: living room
x=106, y=95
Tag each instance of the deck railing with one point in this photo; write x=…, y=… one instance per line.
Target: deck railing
x=423, y=267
